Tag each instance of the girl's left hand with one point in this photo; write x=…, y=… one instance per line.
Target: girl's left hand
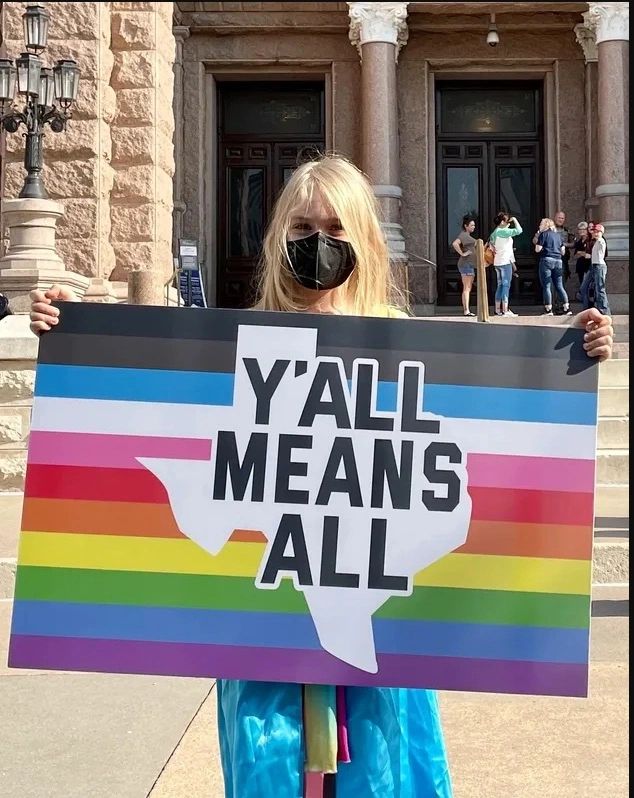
x=599, y=337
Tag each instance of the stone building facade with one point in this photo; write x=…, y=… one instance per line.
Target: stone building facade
x=191, y=115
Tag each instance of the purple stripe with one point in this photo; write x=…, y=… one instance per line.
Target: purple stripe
x=307, y=667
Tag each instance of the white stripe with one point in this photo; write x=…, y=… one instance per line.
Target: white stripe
x=100, y=416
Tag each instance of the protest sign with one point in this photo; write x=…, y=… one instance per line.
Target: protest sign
x=318, y=499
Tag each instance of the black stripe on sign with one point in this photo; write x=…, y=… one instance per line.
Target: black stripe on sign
x=395, y=335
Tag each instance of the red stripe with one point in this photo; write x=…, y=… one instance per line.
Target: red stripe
x=93, y=484
x=124, y=485
x=532, y=506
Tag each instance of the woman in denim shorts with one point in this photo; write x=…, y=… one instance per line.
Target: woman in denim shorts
x=464, y=245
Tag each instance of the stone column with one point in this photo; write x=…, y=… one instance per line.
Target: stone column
x=142, y=148
x=611, y=22
x=587, y=40
x=181, y=32
x=379, y=30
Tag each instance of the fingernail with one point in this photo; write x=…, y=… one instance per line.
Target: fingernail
x=586, y=337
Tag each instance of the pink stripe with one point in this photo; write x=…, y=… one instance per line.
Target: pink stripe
x=110, y=451
x=530, y=473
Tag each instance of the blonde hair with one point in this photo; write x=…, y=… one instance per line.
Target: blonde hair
x=371, y=289
x=547, y=224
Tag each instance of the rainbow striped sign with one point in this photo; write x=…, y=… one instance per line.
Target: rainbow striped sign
x=174, y=500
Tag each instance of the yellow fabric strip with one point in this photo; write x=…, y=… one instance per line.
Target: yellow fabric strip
x=167, y=555
x=320, y=728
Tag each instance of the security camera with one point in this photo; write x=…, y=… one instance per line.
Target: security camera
x=492, y=37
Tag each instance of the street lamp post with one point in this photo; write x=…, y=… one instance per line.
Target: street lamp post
x=47, y=95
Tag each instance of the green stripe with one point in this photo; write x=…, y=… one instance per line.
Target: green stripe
x=240, y=594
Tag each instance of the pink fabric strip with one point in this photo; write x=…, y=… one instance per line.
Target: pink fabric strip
x=110, y=451
x=314, y=785
x=343, y=753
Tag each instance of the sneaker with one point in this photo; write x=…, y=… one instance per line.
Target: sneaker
x=509, y=313
x=567, y=312
x=499, y=313
x=548, y=313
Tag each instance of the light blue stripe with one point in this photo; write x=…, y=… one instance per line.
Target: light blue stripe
x=213, y=388
x=285, y=630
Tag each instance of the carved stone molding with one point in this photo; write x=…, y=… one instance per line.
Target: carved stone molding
x=611, y=21
x=586, y=37
x=378, y=22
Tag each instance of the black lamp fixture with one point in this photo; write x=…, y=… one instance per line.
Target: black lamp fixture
x=47, y=94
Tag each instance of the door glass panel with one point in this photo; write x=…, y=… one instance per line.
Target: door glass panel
x=462, y=198
x=246, y=211
x=516, y=190
x=272, y=112
x=488, y=111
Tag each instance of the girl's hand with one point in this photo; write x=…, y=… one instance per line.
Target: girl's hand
x=599, y=337
x=43, y=316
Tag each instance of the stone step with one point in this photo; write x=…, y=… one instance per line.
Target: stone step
x=614, y=402
x=611, y=560
x=613, y=467
x=612, y=501
x=615, y=373
x=614, y=433
x=621, y=350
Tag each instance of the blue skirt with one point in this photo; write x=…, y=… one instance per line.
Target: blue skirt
x=396, y=742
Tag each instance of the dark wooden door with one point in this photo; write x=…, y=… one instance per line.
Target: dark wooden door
x=482, y=174
x=265, y=132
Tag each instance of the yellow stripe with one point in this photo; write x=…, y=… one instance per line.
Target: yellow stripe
x=493, y=572
x=119, y=553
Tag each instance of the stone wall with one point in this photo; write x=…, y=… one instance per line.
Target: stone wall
x=18, y=350
x=142, y=131
x=112, y=169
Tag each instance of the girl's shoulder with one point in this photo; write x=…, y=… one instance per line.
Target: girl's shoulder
x=391, y=312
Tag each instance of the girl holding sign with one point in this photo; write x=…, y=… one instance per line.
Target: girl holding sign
x=325, y=252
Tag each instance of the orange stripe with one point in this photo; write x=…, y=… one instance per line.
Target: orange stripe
x=529, y=540
x=156, y=520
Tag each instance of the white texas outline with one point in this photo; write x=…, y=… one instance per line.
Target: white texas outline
x=415, y=538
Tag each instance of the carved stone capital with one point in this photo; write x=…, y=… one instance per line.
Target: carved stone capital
x=586, y=37
x=378, y=22
x=611, y=21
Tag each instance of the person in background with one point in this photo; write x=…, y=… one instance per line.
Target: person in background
x=464, y=245
x=567, y=240
x=5, y=310
x=501, y=239
x=597, y=272
x=582, y=252
x=551, y=250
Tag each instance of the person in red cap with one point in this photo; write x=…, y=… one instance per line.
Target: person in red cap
x=597, y=273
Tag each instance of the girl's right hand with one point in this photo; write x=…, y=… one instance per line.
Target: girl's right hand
x=43, y=315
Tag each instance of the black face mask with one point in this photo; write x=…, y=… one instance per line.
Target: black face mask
x=321, y=262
